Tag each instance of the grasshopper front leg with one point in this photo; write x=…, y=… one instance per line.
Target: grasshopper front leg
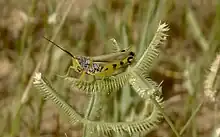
x=68, y=71
x=82, y=75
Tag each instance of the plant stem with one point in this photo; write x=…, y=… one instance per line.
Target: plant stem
x=190, y=119
x=166, y=117
x=88, y=113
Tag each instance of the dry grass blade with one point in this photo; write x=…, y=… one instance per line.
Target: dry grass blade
x=112, y=46
x=27, y=89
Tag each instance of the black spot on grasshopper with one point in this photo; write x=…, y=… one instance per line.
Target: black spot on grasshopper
x=101, y=68
x=121, y=63
x=129, y=59
x=114, y=66
x=106, y=69
x=131, y=53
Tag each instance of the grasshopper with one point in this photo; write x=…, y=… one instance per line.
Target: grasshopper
x=87, y=65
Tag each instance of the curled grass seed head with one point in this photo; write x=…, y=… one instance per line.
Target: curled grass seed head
x=209, y=83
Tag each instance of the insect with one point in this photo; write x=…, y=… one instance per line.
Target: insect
x=86, y=65
x=108, y=69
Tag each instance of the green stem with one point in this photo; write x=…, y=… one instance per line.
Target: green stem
x=88, y=113
x=39, y=115
x=190, y=119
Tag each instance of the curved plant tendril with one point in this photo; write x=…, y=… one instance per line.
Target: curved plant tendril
x=147, y=124
x=145, y=63
x=105, y=86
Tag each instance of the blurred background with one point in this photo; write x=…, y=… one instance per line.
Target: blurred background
x=84, y=27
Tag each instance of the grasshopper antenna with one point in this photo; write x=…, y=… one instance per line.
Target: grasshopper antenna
x=59, y=47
